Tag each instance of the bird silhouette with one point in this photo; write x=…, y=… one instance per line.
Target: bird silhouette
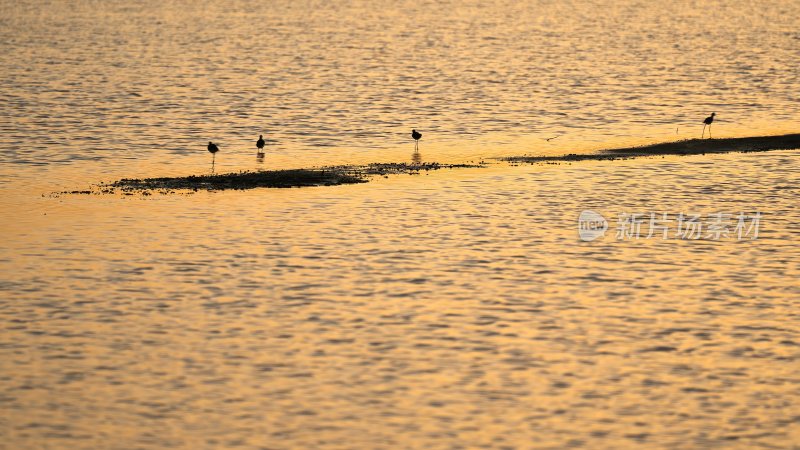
x=707, y=123
x=213, y=149
x=417, y=136
x=550, y=139
x=260, y=144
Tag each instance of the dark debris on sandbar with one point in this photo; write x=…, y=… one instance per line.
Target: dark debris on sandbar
x=324, y=176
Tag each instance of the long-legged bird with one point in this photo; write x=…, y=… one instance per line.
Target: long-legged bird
x=260, y=144
x=213, y=149
x=707, y=123
x=417, y=136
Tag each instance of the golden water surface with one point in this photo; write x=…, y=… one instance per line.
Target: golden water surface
x=450, y=309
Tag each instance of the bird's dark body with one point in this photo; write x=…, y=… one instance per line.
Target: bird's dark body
x=416, y=135
x=212, y=148
x=708, y=120
x=260, y=142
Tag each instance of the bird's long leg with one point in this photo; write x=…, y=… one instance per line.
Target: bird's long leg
x=709, y=131
x=704, y=132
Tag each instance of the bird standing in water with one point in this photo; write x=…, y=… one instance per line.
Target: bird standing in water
x=417, y=136
x=213, y=149
x=260, y=144
x=707, y=122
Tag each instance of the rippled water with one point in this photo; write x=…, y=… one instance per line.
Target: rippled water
x=455, y=309
x=330, y=80
x=432, y=311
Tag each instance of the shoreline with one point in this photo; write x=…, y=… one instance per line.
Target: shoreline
x=678, y=148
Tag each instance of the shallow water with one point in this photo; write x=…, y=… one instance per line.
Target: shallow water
x=454, y=309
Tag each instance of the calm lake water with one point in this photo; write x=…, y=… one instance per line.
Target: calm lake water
x=455, y=309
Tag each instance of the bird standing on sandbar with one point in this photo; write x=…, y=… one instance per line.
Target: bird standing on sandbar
x=417, y=136
x=213, y=149
x=707, y=122
x=260, y=144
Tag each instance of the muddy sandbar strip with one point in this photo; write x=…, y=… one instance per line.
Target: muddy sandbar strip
x=685, y=147
x=323, y=176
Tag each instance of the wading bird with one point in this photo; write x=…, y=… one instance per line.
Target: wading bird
x=260, y=144
x=707, y=122
x=213, y=149
x=417, y=136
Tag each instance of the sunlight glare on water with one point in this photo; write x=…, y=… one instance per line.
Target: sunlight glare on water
x=450, y=309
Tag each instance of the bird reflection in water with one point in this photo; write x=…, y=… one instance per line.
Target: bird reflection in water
x=416, y=158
